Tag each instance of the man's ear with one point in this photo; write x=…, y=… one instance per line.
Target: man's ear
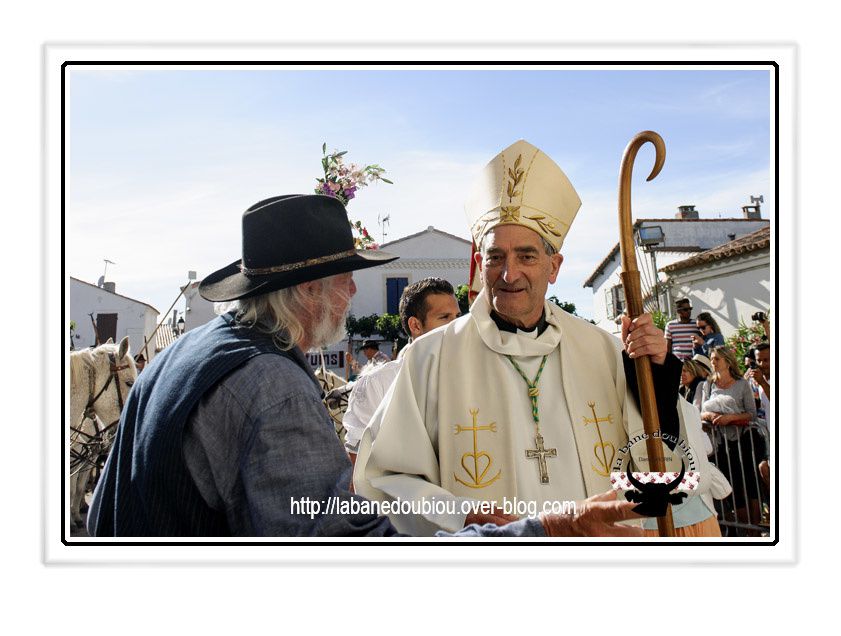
x=310, y=288
x=557, y=260
x=415, y=327
x=477, y=258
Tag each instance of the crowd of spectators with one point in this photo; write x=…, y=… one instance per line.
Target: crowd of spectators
x=733, y=399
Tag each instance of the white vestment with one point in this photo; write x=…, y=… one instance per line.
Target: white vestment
x=457, y=421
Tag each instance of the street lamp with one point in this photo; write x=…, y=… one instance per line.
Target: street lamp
x=648, y=238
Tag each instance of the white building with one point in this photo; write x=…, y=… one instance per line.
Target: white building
x=197, y=310
x=683, y=237
x=731, y=281
x=427, y=253
x=115, y=316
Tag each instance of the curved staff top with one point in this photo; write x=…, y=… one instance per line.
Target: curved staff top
x=633, y=297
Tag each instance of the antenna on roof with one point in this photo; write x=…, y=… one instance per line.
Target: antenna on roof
x=106, y=268
x=383, y=222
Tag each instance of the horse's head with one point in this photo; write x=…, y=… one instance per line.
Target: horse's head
x=114, y=373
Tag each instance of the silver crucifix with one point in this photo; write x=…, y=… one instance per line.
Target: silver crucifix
x=540, y=454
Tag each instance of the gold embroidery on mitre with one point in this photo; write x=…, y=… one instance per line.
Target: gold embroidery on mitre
x=511, y=213
x=480, y=468
x=515, y=175
x=601, y=446
x=523, y=186
x=547, y=226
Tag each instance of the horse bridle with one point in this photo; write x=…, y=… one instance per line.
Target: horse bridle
x=113, y=376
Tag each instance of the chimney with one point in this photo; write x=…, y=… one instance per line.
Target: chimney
x=751, y=212
x=731, y=237
x=174, y=318
x=686, y=212
x=110, y=287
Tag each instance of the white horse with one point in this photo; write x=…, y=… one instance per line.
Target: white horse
x=100, y=380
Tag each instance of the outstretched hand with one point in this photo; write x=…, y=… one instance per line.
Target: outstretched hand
x=641, y=337
x=596, y=516
x=495, y=516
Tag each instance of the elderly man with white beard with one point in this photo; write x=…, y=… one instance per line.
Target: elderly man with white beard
x=225, y=433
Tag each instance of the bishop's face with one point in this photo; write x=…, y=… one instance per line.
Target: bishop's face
x=516, y=272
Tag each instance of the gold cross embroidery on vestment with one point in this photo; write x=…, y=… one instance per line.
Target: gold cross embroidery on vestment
x=600, y=449
x=478, y=472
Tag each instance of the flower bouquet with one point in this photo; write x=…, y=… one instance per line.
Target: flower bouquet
x=342, y=181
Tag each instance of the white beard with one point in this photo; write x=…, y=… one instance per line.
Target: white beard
x=326, y=331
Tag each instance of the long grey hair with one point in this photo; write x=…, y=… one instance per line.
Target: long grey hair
x=287, y=314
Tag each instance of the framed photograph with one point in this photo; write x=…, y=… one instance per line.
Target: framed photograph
x=154, y=153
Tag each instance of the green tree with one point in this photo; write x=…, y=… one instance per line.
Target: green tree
x=567, y=307
x=745, y=339
x=366, y=325
x=660, y=319
x=462, y=292
x=350, y=325
x=388, y=326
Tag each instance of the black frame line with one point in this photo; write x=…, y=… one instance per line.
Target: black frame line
x=548, y=542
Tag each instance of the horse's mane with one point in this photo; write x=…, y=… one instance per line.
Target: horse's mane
x=83, y=363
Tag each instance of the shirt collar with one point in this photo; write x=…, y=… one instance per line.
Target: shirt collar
x=504, y=325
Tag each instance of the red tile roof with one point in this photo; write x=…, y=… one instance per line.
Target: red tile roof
x=164, y=337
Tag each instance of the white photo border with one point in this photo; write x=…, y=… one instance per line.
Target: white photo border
x=60, y=548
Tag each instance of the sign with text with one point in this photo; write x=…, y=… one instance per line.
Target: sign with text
x=332, y=359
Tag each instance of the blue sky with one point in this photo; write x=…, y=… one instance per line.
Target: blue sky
x=165, y=160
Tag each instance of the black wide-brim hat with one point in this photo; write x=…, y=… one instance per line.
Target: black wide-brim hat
x=369, y=344
x=288, y=240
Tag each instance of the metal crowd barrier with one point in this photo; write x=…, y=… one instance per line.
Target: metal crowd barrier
x=738, y=451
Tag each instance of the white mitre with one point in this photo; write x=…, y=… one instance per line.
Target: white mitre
x=523, y=186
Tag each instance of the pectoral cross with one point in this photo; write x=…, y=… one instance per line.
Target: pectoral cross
x=480, y=467
x=540, y=454
x=604, y=469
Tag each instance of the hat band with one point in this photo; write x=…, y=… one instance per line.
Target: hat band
x=259, y=271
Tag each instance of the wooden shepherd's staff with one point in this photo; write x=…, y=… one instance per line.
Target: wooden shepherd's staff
x=633, y=298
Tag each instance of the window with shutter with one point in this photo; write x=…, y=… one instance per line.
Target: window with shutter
x=106, y=327
x=394, y=289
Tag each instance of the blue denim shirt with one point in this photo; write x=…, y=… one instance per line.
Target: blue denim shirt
x=259, y=442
